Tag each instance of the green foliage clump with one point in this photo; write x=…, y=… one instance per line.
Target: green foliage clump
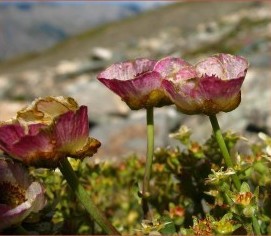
x=191, y=192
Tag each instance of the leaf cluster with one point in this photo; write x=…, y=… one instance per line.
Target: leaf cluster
x=191, y=191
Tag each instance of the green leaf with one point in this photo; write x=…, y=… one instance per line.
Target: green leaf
x=244, y=188
x=169, y=227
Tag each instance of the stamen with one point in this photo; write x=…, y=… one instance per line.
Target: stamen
x=11, y=194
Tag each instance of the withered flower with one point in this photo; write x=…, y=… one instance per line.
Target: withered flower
x=48, y=130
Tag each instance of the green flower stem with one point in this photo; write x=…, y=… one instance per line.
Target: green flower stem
x=224, y=149
x=148, y=167
x=95, y=213
x=229, y=163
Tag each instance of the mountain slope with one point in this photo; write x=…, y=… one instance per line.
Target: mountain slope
x=185, y=16
x=35, y=26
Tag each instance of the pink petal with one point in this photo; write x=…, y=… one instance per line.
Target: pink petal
x=220, y=95
x=211, y=66
x=212, y=87
x=14, y=173
x=183, y=97
x=10, y=134
x=223, y=66
x=235, y=66
x=33, y=129
x=135, y=92
x=9, y=217
x=127, y=70
x=138, y=87
x=35, y=150
x=32, y=148
x=170, y=66
x=36, y=196
x=3, y=209
x=15, y=215
x=72, y=130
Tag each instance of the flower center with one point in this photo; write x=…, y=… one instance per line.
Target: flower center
x=11, y=195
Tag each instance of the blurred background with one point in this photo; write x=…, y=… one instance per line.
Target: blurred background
x=58, y=48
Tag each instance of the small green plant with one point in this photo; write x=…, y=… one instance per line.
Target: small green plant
x=191, y=192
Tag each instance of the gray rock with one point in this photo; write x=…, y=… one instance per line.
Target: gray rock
x=101, y=54
x=102, y=103
x=83, y=67
x=262, y=59
x=128, y=136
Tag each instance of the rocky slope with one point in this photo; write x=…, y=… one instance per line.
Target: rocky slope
x=34, y=26
x=190, y=30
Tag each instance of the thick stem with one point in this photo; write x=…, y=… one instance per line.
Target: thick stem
x=224, y=149
x=95, y=213
x=148, y=166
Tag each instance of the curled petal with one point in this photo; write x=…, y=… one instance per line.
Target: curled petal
x=223, y=66
x=44, y=110
x=88, y=150
x=234, y=66
x=36, y=196
x=211, y=66
x=9, y=217
x=127, y=70
x=72, y=131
